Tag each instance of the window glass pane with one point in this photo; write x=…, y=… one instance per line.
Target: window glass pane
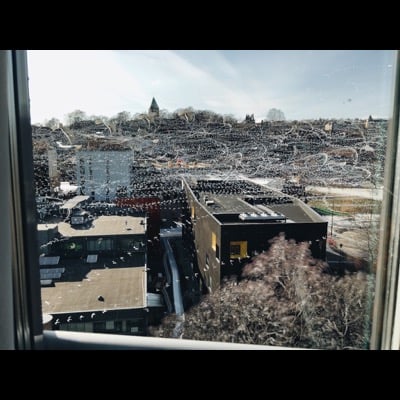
x=273, y=161
x=109, y=325
x=235, y=250
x=238, y=249
x=213, y=240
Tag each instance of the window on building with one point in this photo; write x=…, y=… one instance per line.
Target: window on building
x=238, y=249
x=234, y=250
x=118, y=326
x=109, y=325
x=126, y=244
x=217, y=256
x=100, y=244
x=213, y=241
x=99, y=327
x=134, y=326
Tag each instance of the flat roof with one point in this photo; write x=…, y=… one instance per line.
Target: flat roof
x=46, y=227
x=121, y=288
x=297, y=212
x=106, y=225
x=229, y=197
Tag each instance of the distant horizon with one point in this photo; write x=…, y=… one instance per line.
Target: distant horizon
x=238, y=120
x=304, y=84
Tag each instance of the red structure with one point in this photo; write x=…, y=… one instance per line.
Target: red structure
x=150, y=205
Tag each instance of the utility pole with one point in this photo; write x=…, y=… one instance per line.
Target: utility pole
x=333, y=206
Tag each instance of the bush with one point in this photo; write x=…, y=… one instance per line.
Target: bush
x=284, y=298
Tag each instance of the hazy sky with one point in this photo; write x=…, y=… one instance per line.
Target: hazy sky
x=304, y=84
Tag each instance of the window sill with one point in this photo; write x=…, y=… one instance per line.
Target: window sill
x=65, y=340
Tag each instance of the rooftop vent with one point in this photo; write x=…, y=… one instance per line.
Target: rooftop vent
x=262, y=216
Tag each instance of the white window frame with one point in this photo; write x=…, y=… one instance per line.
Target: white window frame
x=386, y=314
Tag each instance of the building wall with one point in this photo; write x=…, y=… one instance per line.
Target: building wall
x=110, y=245
x=257, y=236
x=254, y=238
x=204, y=226
x=101, y=173
x=46, y=235
x=124, y=322
x=53, y=167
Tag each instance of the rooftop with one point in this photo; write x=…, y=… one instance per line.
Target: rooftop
x=106, y=225
x=226, y=200
x=121, y=288
x=46, y=227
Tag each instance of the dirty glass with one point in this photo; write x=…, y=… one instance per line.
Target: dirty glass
x=211, y=195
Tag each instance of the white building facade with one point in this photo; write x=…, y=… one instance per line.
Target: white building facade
x=101, y=173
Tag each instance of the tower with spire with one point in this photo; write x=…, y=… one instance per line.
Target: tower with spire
x=154, y=109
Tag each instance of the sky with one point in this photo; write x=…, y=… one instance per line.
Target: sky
x=304, y=84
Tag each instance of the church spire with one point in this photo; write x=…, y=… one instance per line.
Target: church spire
x=154, y=109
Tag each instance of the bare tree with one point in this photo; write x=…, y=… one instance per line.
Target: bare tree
x=275, y=115
x=98, y=119
x=187, y=113
x=229, y=119
x=284, y=298
x=52, y=123
x=75, y=116
x=164, y=113
x=122, y=116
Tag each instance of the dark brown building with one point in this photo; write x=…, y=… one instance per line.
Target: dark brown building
x=233, y=221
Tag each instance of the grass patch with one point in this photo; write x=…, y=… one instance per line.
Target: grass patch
x=327, y=211
x=345, y=206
